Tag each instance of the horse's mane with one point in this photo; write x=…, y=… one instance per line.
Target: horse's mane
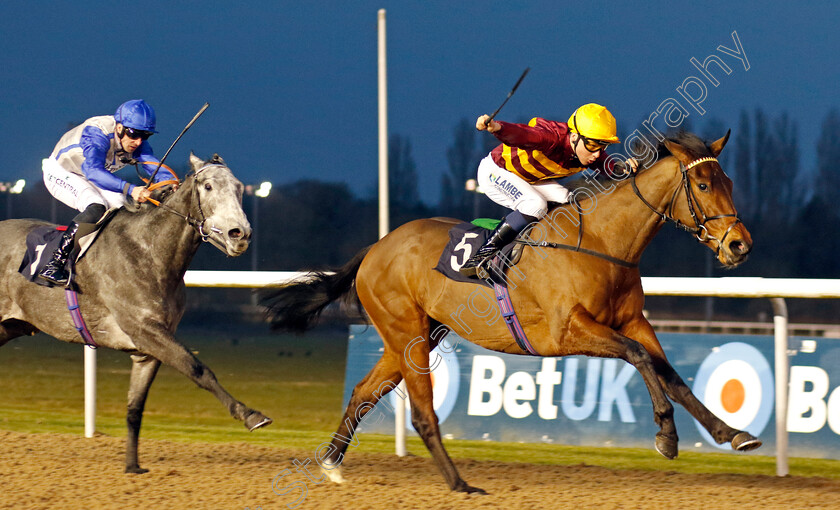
x=692, y=143
x=689, y=141
x=147, y=207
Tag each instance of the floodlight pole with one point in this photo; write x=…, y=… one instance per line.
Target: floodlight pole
x=384, y=227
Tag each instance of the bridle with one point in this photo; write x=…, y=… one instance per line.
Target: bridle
x=699, y=229
x=196, y=224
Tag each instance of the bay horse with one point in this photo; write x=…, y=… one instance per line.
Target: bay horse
x=586, y=302
x=130, y=285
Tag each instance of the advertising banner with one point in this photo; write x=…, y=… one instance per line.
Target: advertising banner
x=575, y=400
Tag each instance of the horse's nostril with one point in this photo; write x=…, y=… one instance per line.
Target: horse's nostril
x=739, y=247
x=234, y=233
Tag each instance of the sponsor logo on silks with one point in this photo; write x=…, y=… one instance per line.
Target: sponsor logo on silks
x=736, y=383
x=506, y=187
x=446, y=382
x=58, y=181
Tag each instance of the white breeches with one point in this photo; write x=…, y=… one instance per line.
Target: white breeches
x=76, y=191
x=509, y=190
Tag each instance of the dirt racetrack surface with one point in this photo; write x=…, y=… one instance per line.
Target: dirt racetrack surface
x=54, y=471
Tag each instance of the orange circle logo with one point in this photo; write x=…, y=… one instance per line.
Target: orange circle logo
x=732, y=395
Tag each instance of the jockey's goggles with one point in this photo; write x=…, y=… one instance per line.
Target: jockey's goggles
x=134, y=134
x=594, y=145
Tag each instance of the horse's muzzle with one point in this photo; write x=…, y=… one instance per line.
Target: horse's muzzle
x=735, y=252
x=238, y=240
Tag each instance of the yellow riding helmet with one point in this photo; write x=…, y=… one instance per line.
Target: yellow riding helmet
x=595, y=122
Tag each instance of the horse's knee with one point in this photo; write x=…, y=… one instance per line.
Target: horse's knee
x=197, y=370
x=640, y=358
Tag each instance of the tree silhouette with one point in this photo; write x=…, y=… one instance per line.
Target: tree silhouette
x=402, y=174
x=743, y=173
x=828, y=154
x=463, y=161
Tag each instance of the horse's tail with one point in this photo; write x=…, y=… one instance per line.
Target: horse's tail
x=296, y=306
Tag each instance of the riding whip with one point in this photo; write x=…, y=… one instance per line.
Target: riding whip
x=487, y=122
x=197, y=115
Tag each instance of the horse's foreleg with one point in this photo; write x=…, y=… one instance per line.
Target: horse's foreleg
x=143, y=372
x=594, y=339
x=679, y=392
x=165, y=348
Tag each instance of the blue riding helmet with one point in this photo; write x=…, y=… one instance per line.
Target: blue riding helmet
x=136, y=114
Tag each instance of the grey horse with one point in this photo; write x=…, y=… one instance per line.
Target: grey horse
x=131, y=288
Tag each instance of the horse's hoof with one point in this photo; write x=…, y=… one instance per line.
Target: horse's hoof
x=256, y=420
x=744, y=442
x=666, y=446
x=333, y=475
x=469, y=489
x=137, y=470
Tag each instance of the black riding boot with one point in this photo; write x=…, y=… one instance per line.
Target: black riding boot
x=54, y=271
x=503, y=234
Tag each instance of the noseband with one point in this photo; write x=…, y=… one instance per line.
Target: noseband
x=699, y=229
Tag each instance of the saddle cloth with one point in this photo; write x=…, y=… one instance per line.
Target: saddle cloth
x=464, y=240
x=40, y=245
x=41, y=242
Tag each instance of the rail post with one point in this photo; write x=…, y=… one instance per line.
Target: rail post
x=780, y=329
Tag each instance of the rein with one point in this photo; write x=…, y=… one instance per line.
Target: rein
x=577, y=248
x=699, y=229
x=194, y=223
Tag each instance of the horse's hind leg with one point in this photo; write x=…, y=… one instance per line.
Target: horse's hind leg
x=423, y=417
x=143, y=372
x=13, y=328
x=679, y=392
x=382, y=378
x=595, y=339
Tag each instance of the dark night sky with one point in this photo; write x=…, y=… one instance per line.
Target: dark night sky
x=292, y=85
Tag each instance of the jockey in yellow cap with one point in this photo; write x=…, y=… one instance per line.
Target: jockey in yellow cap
x=521, y=172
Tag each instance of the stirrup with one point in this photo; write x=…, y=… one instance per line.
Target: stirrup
x=56, y=276
x=471, y=267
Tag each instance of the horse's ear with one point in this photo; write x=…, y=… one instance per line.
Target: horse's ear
x=195, y=161
x=678, y=151
x=217, y=160
x=718, y=145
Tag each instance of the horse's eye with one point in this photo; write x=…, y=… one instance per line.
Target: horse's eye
x=703, y=186
x=208, y=186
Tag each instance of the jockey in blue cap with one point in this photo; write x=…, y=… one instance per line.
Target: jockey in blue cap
x=80, y=171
